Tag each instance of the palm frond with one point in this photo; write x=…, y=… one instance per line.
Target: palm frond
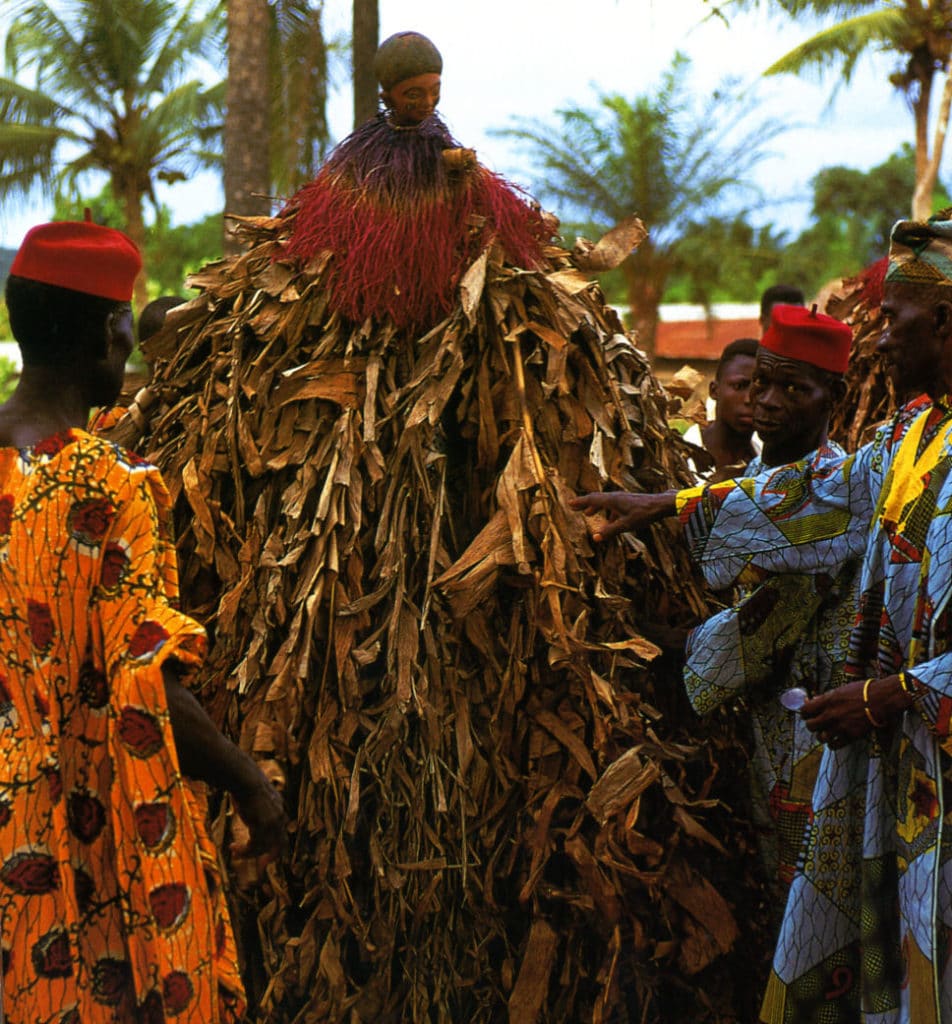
x=300, y=60
x=21, y=104
x=27, y=164
x=198, y=36
x=41, y=41
x=166, y=134
x=117, y=78
x=569, y=164
x=662, y=155
x=843, y=43
x=839, y=9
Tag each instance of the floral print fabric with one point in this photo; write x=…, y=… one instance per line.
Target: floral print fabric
x=111, y=906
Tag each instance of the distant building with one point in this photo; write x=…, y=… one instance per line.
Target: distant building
x=691, y=334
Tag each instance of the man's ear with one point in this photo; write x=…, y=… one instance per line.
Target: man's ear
x=712, y=389
x=942, y=316
x=108, y=334
x=111, y=333
x=837, y=391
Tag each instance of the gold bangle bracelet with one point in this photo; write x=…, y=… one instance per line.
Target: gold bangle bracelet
x=866, y=710
x=907, y=687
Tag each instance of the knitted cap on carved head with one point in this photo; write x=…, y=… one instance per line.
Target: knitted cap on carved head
x=406, y=55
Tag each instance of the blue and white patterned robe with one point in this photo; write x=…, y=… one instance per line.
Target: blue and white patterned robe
x=866, y=932
x=790, y=630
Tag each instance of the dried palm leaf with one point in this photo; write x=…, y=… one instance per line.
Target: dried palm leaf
x=501, y=803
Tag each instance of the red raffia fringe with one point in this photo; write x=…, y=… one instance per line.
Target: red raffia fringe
x=873, y=278
x=403, y=235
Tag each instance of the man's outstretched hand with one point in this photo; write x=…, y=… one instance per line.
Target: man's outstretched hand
x=623, y=511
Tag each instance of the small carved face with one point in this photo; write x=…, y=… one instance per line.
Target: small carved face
x=414, y=99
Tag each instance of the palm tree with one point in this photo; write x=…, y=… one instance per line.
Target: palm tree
x=276, y=130
x=104, y=87
x=918, y=33
x=365, y=34
x=655, y=157
x=299, y=72
x=247, y=170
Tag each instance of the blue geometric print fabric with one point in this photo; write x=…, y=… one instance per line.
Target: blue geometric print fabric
x=790, y=630
x=867, y=928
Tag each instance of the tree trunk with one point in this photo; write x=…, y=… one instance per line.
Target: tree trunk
x=247, y=154
x=299, y=132
x=925, y=181
x=922, y=197
x=645, y=277
x=366, y=31
x=130, y=200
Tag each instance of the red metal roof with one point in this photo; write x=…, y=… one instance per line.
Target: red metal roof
x=701, y=339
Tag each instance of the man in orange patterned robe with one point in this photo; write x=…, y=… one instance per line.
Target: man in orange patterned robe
x=111, y=899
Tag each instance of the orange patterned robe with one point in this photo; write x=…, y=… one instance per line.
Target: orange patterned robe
x=111, y=905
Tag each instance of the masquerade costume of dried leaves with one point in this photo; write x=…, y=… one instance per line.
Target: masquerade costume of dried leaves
x=869, y=398
x=496, y=808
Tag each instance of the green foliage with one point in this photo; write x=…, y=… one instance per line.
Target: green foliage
x=103, y=86
x=176, y=252
x=301, y=62
x=734, y=262
x=681, y=164
x=9, y=371
x=843, y=43
x=68, y=204
x=659, y=155
x=172, y=253
x=853, y=213
x=917, y=34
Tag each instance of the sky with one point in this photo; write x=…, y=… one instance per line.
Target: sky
x=529, y=58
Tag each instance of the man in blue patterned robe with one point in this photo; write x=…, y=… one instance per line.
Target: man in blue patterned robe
x=787, y=630
x=867, y=928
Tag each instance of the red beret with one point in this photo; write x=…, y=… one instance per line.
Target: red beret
x=815, y=338
x=82, y=256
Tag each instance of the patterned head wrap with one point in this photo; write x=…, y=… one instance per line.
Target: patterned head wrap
x=406, y=55
x=920, y=252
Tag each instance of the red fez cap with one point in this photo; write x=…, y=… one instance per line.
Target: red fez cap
x=79, y=255
x=796, y=332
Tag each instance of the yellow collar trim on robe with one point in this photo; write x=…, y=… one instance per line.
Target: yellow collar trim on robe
x=908, y=475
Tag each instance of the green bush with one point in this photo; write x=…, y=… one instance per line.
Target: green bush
x=9, y=375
